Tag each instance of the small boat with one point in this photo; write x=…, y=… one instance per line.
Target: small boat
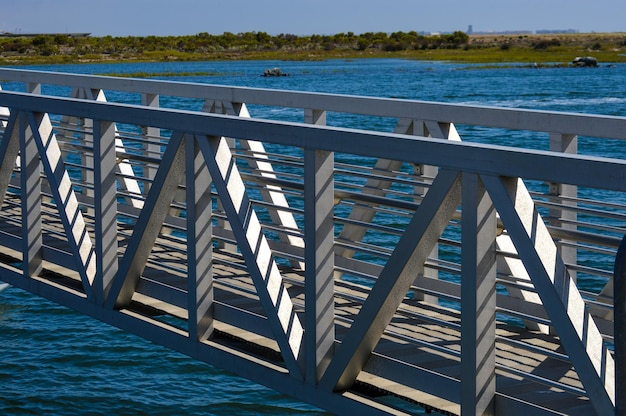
x=274, y=72
x=3, y=286
x=585, y=61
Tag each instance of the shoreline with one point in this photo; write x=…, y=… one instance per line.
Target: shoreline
x=542, y=49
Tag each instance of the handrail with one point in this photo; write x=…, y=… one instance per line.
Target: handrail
x=611, y=127
x=504, y=161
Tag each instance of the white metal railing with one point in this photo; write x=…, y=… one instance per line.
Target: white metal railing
x=419, y=118
x=375, y=187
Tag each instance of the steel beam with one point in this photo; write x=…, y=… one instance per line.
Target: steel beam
x=253, y=244
x=30, y=177
x=562, y=300
x=406, y=262
x=319, y=262
x=478, y=302
x=168, y=178
x=199, y=244
x=65, y=197
x=105, y=207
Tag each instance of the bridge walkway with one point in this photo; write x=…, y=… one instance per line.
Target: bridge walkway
x=420, y=334
x=357, y=270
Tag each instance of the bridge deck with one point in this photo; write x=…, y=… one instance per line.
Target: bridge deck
x=411, y=339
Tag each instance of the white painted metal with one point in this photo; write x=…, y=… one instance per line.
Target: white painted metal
x=406, y=262
x=40, y=136
x=478, y=303
x=303, y=315
x=149, y=223
x=271, y=193
x=105, y=206
x=31, y=202
x=257, y=253
x=199, y=250
x=320, y=266
x=557, y=289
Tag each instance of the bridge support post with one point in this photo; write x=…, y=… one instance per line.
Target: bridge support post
x=105, y=207
x=478, y=300
x=564, y=218
x=444, y=131
x=150, y=148
x=199, y=243
x=33, y=87
x=319, y=262
x=30, y=183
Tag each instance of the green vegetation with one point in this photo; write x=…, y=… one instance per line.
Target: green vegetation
x=457, y=46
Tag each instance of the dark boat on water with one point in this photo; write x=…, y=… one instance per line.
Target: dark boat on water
x=274, y=72
x=585, y=61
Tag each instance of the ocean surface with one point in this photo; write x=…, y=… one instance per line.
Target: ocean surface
x=56, y=362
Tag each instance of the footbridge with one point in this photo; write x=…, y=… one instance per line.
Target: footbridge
x=411, y=265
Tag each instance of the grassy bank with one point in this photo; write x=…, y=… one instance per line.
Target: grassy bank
x=559, y=49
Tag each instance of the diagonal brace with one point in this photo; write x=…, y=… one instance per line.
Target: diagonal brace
x=67, y=202
x=405, y=263
x=148, y=226
x=563, y=302
x=9, y=149
x=256, y=251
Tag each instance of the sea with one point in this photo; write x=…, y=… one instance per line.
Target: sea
x=54, y=361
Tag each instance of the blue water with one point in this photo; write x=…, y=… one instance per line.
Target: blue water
x=55, y=362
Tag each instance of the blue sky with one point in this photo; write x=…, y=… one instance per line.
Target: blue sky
x=183, y=17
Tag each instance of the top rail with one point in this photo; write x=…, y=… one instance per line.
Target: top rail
x=603, y=126
x=580, y=170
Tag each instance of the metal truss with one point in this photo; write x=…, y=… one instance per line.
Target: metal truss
x=231, y=240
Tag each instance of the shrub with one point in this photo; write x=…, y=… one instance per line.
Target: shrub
x=61, y=39
x=40, y=40
x=546, y=43
x=596, y=46
x=394, y=46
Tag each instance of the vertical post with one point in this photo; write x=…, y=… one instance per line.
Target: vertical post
x=31, y=213
x=319, y=262
x=619, y=328
x=33, y=88
x=199, y=243
x=478, y=299
x=218, y=107
x=151, y=146
x=425, y=173
x=105, y=207
x=564, y=218
x=30, y=184
x=88, y=138
x=317, y=117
